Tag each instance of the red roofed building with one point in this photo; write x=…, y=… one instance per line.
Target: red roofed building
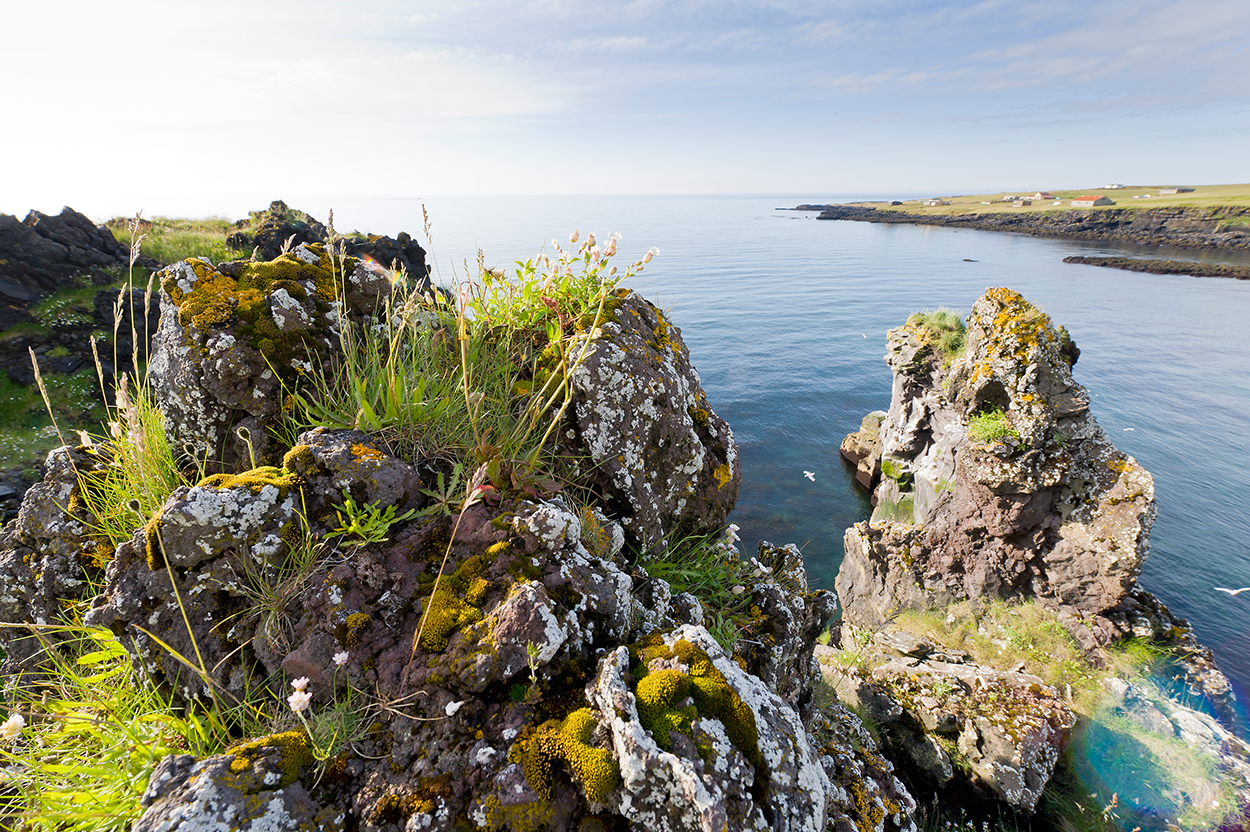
x=1090, y=201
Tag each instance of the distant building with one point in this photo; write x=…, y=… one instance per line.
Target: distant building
x=1090, y=201
x=1041, y=195
x=932, y=202
x=1021, y=203
x=1112, y=187
x=1166, y=191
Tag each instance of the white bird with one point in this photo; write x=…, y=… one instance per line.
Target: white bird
x=811, y=475
x=864, y=334
x=1130, y=428
x=1234, y=591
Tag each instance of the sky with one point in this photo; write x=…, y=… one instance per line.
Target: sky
x=181, y=105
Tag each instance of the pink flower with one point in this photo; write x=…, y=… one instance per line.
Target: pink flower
x=573, y=237
x=340, y=658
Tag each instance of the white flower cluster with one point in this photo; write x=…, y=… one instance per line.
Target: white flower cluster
x=12, y=727
x=300, y=698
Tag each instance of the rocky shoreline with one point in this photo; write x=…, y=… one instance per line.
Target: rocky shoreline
x=512, y=654
x=1138, y=264
x=1213, y=228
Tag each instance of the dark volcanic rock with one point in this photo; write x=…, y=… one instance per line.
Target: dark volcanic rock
x=40, y=254
x=1152, y=266
x=1180, y=227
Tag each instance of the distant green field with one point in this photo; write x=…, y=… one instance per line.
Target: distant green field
x=1147, y=196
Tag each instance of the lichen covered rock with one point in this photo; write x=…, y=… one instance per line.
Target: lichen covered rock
x=47, y=553
x=642, y=426
x=790, y=618
x=1003, y=732
x=705, y=745
x=996, y=480
x=255, y=788
x=234, y=337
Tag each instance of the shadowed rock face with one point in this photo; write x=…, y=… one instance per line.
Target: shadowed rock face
x=1045, y=506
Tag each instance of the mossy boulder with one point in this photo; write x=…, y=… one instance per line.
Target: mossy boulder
x=738, y=757
x=234, y=338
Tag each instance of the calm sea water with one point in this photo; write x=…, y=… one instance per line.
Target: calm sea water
x=785, y=318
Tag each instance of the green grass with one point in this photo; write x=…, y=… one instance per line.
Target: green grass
x=709, y=570
x=26, y=432
x=94, y=731
x=1235, y=196
x=991, y=426
x=168, y=240
x=944, y=330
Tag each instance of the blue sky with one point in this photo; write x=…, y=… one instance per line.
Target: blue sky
x=223, y=104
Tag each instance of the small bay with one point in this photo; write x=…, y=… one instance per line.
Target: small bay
x=785, y=319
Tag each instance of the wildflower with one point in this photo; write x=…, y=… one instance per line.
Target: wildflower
x=573, y=237
x=738, y=590
x=651, y=252
x=300, y=683
x=12, y=727
x=590, y=238
x=340, y=658
x=299, y=700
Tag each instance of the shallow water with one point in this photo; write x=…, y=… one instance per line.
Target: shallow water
x=785, y=318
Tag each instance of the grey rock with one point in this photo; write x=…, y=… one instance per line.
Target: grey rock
x=1057, y=513
x=641, y=423
x=185, y=794
x=674, y=790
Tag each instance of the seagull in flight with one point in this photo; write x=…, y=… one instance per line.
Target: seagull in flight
x=1130, y=428
x=1233, y=591
x=811, y=475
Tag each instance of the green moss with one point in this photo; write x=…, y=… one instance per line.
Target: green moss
x=218, y=300
x=255, y=480
x=447, y=614
x=568, y=741
x=518, y=817
x=348, y=632
x=296, y=754
x=300, y=461
x=660, y=695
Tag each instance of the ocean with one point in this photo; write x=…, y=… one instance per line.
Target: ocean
x=785, y=318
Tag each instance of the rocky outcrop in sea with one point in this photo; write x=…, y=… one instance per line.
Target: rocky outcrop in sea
x=997, y=495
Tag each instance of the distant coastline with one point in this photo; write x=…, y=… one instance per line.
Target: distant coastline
x=1224, y=227
x=1213, y=217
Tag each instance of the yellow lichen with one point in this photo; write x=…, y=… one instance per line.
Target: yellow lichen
x=348, y=633
x=295, y=749
x=361, y=451
x=569, y=741
x=724, y=475
x=254, y=480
